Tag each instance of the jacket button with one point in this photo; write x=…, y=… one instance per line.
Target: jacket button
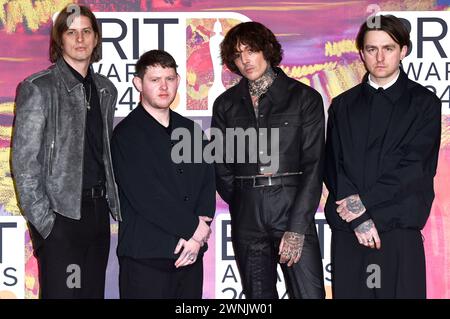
x=180, y=170
x=186, y=198
x=261, y=115
x=172, y=143
x=286, y=123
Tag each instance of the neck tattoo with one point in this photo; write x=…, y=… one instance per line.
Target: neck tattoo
x=260, y=86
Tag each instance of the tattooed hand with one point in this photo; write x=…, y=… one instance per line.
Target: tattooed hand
x=350, y=208
x=291, y=246
x=367, y=234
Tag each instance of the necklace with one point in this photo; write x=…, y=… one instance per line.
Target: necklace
x=88, y=101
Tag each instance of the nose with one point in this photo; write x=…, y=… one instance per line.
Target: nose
x=380, y=55
x=164, y=85
x=80, y=36
x=244, y=57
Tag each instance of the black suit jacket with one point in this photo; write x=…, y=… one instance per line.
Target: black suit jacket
x=161, y=200
x=394, y=176
x=296, y=110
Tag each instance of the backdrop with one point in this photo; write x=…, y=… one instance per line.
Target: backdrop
x=318, y=42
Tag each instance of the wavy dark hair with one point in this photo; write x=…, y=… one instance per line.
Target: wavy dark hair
x=257, y=37
x=62, y=24
x=387, y=23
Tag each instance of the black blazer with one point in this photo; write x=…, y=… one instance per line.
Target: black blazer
x=394, y=176
x=161, y=200
x=296, y=110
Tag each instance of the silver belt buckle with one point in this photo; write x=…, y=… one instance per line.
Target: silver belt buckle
x=258, y=186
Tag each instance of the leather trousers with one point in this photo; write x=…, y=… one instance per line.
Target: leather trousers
x=259, y=218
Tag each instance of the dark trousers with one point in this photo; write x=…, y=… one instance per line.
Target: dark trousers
x=397, y=270
x=159, y=279
x=259, y=218
x=72, y=260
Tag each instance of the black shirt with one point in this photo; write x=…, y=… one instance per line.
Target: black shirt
x=160, y=199
x=168, y=129
x=93, y=167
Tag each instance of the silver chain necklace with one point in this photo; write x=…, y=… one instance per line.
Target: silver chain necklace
x=88, y=101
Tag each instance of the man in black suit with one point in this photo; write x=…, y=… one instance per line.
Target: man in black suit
x=381, y=157
x=167, y=204
x=272, y=181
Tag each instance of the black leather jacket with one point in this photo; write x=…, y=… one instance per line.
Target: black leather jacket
x=297, y=111
x=48, y=145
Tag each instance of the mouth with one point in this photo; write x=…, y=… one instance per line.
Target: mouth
x=163, y=96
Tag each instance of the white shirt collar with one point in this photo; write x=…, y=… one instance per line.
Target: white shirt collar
x=387, y=85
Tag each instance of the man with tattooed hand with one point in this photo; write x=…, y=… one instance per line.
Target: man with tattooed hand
x=383, y=140
x=272, y=178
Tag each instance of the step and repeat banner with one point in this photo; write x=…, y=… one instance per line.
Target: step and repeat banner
x=319, y=50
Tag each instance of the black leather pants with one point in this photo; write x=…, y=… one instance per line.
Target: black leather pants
x=259, y=219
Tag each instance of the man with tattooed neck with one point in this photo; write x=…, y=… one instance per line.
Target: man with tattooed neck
x=383, y=140
x=272, y=181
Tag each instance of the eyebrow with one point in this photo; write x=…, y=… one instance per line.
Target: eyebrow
x=384, y=46
x=74, y=29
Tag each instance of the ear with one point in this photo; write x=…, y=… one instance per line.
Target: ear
x=137, y=82
x=403, y=52
x=178, y=80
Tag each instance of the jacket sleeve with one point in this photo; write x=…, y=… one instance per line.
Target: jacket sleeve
x=312, y=155
x=338, y=184
x=206, y=204
x=224, y=171
x=28, y=158
x=336, y=181
x=409, y=165
x=137, y=184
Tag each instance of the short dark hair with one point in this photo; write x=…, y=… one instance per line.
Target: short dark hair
x=387, y=23
x=257, y=37
x=154, y=58
x=62, y=24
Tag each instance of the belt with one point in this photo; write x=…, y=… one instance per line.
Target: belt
x=97, y=191
x=264, y=180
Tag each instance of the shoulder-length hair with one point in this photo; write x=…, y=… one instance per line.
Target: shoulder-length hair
x=62, y=23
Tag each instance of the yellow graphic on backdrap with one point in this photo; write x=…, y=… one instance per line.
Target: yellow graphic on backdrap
x=31, y=13
x=7, y=193
x=339, y=48
x=304, y=70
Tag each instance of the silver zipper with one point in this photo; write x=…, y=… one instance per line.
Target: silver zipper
x=50, y=165
x=52, y=145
